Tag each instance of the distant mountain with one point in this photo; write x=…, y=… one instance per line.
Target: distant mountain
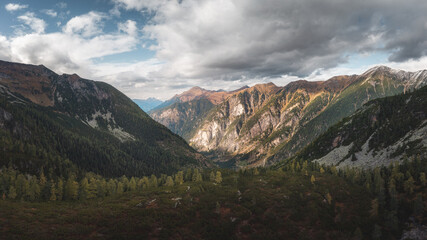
x=193, y=94
x=68, y=124
x=147, y=104
x=382, y=132
x=265, y=123
x=182, y=112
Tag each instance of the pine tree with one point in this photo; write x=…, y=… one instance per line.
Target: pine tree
x=119, y=188
x=153, y=181
x=71, y=189
x=111, y=187
x=334, y=171
x=101, y=188
x=125, y=182
x=92, y=188
x=212, y=176
x=132, y=184
x=409, y=185
x=52, y=191
x=312, y=179
x=374, y=208
x=84, y=189
x=60, y=190
x=43, y=180
x=12, y=193
x=197, y=177
x=423, y=179
x=34, y=191
x=169, y=182
x=218, y=177
x=179, y=178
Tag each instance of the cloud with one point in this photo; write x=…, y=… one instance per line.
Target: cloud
x=11, y=7
x=50, y=12
x=37, y=25
x=139, y=5
x=72, y=50
x=87, y=25
x=233, y=39
x=61, y=5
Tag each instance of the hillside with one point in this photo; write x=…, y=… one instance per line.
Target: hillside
x=68, y=124
x=265, y=123
x=383, y=131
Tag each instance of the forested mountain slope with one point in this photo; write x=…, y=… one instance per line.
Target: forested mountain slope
x=383, y=131
x=66, y=123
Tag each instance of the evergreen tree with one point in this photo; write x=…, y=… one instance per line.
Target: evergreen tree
x=212, y=176
x=423, y=179
x=374, y=208
x=12, y=193
x=101, y=188
x=179, y=178
x=218, y=177
x=52, y=191
x=312, y=179
x=71, y=189
x=34, y=191
x=119, y=188
x=197, y=177
x=409, y=185
x=153, y=181
x=60, y=190
x=92, y=189
x=84, y=189
x=111, y=187
x=132, y=184
x=169, y=182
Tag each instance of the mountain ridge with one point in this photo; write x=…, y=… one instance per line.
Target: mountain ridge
x=251, y=125
x=93, y=124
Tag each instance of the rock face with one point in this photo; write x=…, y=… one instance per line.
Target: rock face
x=182, y=114
x=254, y=121
x=98, y=118
x=265, y=123
x=383, y=131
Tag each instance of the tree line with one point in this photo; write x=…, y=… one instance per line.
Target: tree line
x=15, y=185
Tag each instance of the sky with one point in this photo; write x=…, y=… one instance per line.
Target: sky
x=158, y=48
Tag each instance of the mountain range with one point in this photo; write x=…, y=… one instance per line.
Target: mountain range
x=147, y=104
x=69, y=124
x=264, y=124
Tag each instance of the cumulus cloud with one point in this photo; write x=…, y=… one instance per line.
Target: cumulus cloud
x=72, y=50
x=50, y=12
x=87, y=25
x=231, y=39
x=11, y=7
x=37, y=25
